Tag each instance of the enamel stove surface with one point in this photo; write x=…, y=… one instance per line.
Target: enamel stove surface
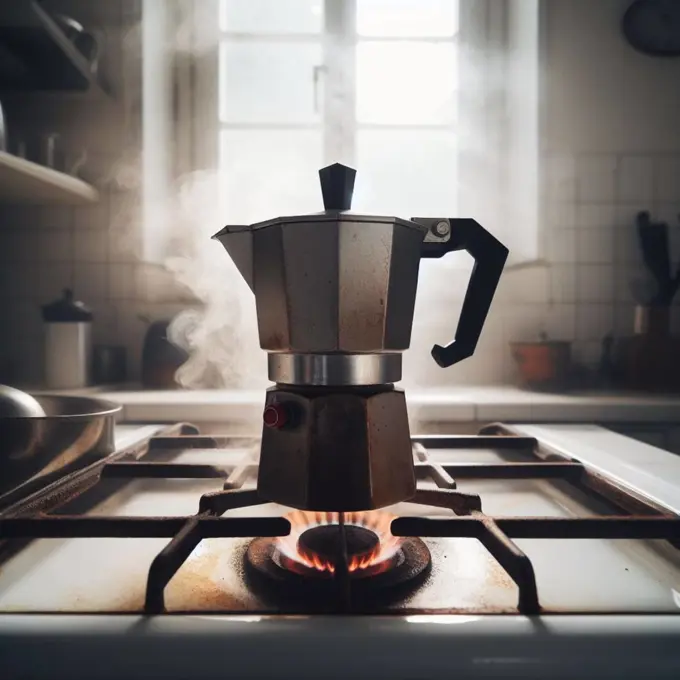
x=559, y=596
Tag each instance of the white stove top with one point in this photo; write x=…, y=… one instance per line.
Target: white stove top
x=607, y=604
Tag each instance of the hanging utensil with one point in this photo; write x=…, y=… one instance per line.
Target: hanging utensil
x=654, y=243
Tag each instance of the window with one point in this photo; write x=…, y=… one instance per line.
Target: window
x=305, y=83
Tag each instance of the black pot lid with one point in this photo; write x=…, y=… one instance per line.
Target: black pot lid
x=66, y=309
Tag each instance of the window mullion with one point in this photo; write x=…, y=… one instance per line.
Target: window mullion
x=339, y=117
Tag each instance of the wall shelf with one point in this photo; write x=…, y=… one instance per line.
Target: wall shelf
x=36, y=55
x=23, y=181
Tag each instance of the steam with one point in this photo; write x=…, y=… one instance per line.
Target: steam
x=221, y=333
x=220, y=329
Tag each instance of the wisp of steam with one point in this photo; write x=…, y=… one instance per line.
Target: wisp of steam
x=220, y=332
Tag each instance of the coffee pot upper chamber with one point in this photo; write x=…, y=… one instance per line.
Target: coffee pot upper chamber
x=340, y=282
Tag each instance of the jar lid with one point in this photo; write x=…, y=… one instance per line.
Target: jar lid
x=66, y=309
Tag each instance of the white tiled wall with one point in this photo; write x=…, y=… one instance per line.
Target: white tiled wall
x=91, y=249
x=610, y=150
x=611, y=147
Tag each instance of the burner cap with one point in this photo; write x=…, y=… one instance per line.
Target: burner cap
x=324, y=542
x=283, y=583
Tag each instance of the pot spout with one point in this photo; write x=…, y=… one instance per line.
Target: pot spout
x=238, y=242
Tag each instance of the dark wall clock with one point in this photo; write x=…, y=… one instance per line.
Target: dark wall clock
x=653, y=27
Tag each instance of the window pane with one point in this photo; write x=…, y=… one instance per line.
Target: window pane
x=406, y=83
x=269, y=173
x=263, y=82
x=410, y=18
x=408, y=173
x=271, y=16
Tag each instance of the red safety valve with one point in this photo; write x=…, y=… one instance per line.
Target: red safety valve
x=275, y=416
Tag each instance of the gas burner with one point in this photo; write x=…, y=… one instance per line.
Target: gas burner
x=310, y=562
x=319, y=547
x=315, y=541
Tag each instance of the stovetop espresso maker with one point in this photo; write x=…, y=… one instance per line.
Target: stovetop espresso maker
x=335, y=295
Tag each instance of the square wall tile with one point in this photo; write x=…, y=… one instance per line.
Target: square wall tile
x=104, y=330
x=561, y=245
x=562, y=283
x=92, y=216
x=593, y=321
x=57, y=217
x=624, y=317
x=123, y=246
x=668, y=213
x=595, y=216
x=636, y=179
x=91, y=280
x=91, y=246
x=625, y=216
x=595, y=246
x=525, y=285
x=560, y=214
x=635, y=286
x=594, y=283
x=627, y=248
x=29, y=364
x=19, y=280
x=596, y=179
x=122, y=282
x=20, y=216
x=560, y=177
x=25, y=321
x=632, y=285
x=560, y=322
x=53, y=278
x=54, y=245
x=522, y=322
x=667, y=178
x=19, y=245
x=154, y=283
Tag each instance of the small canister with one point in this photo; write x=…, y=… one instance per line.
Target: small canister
x=68, y=343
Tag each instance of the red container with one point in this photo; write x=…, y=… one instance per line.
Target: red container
x=544, y=364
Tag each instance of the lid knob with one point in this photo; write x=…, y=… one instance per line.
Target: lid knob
x=66, y=309
x=337, y=186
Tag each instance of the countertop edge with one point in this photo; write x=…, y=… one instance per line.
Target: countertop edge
x=474, y=404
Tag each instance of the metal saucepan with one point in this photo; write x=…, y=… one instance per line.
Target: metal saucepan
x=35, y=450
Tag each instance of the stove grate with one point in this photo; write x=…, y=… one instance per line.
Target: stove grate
x=637, y=518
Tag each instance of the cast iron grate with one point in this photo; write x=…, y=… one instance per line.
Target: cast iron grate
x=637, y=519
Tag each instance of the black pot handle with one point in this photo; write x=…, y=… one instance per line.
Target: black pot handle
x=489, y=255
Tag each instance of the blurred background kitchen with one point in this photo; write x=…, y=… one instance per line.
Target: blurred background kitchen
x=132, y=130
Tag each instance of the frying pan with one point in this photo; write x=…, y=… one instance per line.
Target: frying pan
x=35, y=451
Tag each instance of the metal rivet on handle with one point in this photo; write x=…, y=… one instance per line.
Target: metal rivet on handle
x=442, y=228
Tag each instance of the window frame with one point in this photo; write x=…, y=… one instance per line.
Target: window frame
x=483, y=26
x=339, y=39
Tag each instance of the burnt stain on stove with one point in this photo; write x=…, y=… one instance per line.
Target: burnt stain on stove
x=446, y=577
x=194, y=588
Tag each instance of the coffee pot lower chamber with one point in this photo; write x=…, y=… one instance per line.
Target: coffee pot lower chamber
x=335, y=297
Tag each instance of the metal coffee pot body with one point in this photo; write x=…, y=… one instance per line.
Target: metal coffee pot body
x=339, y=284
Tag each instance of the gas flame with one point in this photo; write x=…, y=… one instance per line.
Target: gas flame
x=377, y=522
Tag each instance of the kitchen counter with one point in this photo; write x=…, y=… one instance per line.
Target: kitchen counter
x=449, y=405
x=649, y=471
